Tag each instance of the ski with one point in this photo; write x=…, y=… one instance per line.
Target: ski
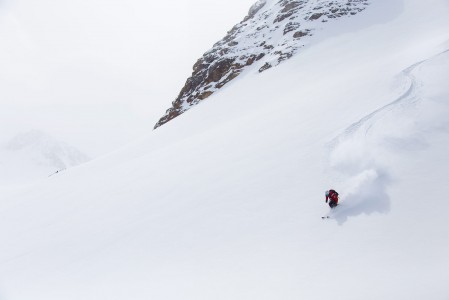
x=325, y=217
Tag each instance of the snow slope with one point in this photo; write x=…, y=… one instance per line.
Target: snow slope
x=224, y=202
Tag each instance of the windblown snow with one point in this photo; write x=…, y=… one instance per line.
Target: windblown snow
x=225, y=201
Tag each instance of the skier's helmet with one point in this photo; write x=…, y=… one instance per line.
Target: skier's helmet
x=327, y=193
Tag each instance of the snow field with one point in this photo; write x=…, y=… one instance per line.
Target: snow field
x=225, y=201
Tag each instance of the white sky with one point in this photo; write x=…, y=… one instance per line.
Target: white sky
x=99, y=73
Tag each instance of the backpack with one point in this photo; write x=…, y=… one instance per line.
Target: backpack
x=333, y=192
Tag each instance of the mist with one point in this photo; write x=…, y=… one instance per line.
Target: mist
x=98, y=74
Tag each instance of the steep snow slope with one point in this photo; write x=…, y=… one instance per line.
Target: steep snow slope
x=225, y=201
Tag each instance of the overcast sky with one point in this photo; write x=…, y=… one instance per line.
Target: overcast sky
x=99, y=73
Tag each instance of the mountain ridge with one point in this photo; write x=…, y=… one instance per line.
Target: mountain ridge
x=272, y=32
x=34, y=154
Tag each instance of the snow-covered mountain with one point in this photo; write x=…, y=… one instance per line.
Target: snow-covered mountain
x=225, y=201
x=273, y=31
x=32, y=155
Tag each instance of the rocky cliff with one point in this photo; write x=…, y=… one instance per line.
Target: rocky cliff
x=272, y=32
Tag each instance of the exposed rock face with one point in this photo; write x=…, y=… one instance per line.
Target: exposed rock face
x=272, y=32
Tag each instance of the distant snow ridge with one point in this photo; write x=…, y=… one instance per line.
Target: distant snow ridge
x=45, y=150
x=272, y=32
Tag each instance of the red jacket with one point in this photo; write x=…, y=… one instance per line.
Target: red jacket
x=333, y=196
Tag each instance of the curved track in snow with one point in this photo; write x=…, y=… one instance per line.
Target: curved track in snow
x=358, y=154
x=410, y=96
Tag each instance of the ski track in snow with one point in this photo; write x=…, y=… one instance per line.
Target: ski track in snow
x=362, y=174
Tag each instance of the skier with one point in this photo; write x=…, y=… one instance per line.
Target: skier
x=332, y=196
